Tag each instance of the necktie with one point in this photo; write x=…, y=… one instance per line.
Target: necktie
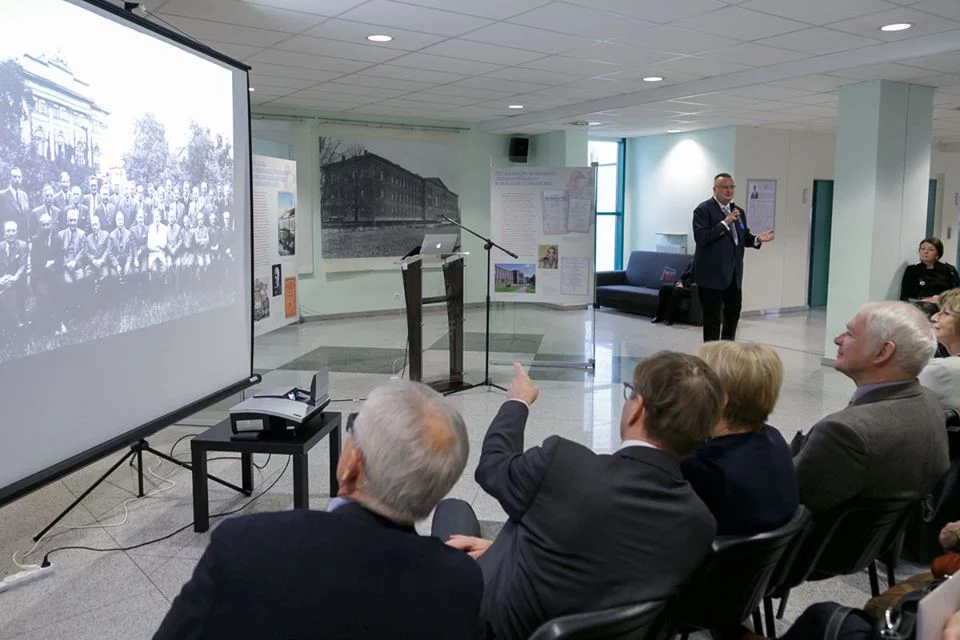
x=733, y=229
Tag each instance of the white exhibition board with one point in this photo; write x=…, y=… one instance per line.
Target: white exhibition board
x=547, y=216
x=274, y=243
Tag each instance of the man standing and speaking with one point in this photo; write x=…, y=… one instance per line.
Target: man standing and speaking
x=721, y=233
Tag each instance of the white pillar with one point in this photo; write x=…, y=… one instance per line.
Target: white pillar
x=880, y=194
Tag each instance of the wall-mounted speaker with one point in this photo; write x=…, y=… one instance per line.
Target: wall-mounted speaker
x=519, y=148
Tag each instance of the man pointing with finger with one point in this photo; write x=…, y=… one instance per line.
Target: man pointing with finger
x=588, y=531
x=721, y=233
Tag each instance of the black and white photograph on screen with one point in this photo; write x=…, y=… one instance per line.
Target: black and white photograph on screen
x=277, y=280
x=286, y=224
x=379, y=197
x=261, y=300
x=117, y=203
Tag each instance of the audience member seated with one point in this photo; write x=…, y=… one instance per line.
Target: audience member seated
x=359, y=570
x=891, y=438
x=589, y=531
x=923, y=282
x=672, y=295
x=744, y=473
x=942, y=375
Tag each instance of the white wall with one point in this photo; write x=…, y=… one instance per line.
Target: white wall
x=946, y=166
x=667, y=176
x=776, y=276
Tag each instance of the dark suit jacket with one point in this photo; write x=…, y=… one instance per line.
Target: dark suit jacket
x=585, y=531
x=718, y=261
x=890, y=441
x=312, y=574
x=14, y=264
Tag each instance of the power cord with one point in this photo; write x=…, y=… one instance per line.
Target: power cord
x=46, y=556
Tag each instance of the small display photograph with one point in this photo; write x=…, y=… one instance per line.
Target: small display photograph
x=277, y=280
x=515, y=278
x=261, y=299
x=549, y=255
x=286, y=223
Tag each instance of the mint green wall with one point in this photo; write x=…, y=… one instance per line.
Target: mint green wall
x=559, y=149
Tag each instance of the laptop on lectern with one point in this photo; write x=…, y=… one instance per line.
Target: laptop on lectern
x=438, y=244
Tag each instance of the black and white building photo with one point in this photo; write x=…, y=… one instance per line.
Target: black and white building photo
x=116, y=202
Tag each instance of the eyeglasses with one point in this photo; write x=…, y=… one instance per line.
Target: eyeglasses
x=629, y=391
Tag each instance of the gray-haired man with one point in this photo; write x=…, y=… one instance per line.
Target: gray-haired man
x=359, y=570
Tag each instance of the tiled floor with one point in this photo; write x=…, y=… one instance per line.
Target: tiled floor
x=125, y=594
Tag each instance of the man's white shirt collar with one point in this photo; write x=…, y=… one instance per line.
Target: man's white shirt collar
x=636, y=443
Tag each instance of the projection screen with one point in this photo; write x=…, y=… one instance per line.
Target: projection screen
x=125, y=266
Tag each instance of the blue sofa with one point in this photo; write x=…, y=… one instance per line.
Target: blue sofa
x=636, y=288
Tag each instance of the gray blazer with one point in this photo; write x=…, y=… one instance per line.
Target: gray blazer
x=942, y=377
x=891, y=440
x=585, y=531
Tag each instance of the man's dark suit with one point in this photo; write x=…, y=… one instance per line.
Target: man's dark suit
x=889, y=441
x=14, y=257
x=312, y=574
x=718, y=265
x=585, y=531
x=55, y=221
x=15, y=206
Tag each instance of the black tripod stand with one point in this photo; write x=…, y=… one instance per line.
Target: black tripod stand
x=488, y=245
x=135, y=450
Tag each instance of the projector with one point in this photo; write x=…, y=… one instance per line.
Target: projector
x=280, y=410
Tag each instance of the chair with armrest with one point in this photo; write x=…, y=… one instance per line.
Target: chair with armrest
x=630, y=622
x=735, y=577
x=843, y=540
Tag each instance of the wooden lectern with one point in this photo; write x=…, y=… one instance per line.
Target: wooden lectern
x=412, y=270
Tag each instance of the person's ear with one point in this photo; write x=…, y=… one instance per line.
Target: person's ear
x=349, y=468
x=884, y=354
x=636, y=412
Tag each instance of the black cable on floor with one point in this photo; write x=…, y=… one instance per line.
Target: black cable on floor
x=46, y=556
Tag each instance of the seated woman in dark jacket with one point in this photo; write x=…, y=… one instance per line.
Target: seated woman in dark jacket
x=924, y=281
x=744, y=473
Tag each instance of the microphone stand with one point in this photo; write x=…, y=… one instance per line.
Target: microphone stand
x=488, y=245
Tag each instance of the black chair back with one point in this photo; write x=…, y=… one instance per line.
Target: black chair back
x=736, y=575
x=631, y=622
x=846, y=539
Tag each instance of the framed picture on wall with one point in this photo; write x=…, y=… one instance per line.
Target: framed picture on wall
x=761, y=205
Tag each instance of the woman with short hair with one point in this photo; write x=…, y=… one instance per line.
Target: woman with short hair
x=942, y=374
x=744, y=473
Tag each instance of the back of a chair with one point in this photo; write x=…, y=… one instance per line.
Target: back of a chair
x=847, y=538
x=631, y=622
x=736, y=575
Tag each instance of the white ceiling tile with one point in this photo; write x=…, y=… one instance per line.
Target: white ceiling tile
x=304, y=103
x=942, y=62
x=354, y=90
x=769, y=105
x=467, y=92
x=652, y=10
x=242, y=14
x=702, y=66
x=767, y=92
x=495, y=9
x=506, y=34
x=566, y=64
x=818, y=41
x=816, y=98
x=261, y=81
x=573, y=94
x=482, y=52
x=336, y=49
x=941, y=99
x=326, y=7
x=883, y=71
x=722, y=100
x=386, y=83
x=945, y=8
x=447, y=100
x=414, y=18
x=493, y=84
x=205, y=30
x=755, y=55
x=265, y=69
x=816, y=83
x=818, y=12
x=950, y=89
x=442, y=63
x=333, y=98
x=357, y=32
x=407, y=73
x=580, y=21
x=739, y=24
x=621, y=54
x=669, y=38
x=293, y=59
x=236, y=51
x=923, y=24
x=813, y=110
x=532, y=75
x=939, y=80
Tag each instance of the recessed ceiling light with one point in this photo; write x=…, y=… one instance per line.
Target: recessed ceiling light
x=251, y=89
x=379, y=38
x=896, y=26
x=515, y=106
x=653, y=79
x=674, y=130
x=594, y=123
